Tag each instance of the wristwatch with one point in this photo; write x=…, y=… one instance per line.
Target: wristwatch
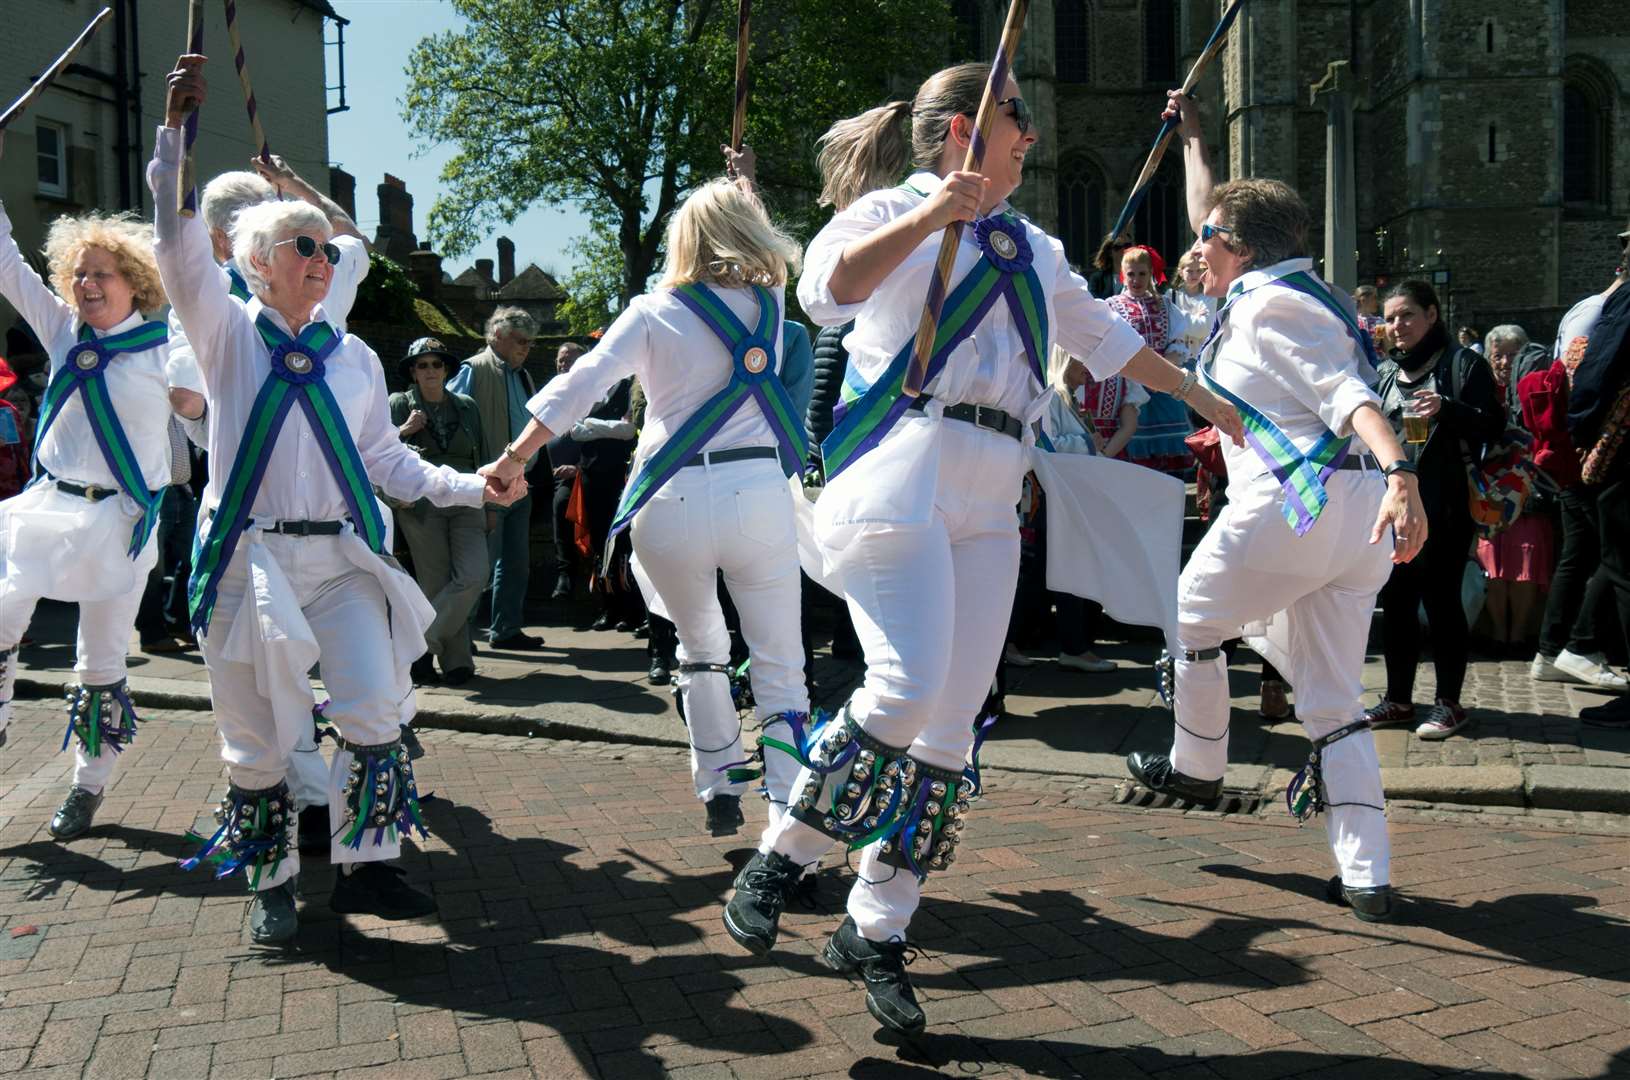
x=1400, y=466
x=509, y=452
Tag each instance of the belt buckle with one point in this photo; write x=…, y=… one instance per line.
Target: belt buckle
x=979, y=417
x=97, y=494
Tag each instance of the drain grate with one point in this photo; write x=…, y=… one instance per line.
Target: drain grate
x=1128, y=793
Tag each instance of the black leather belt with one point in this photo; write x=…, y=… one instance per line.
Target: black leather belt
x=86, y=491
x=307, y=528
x=986, y=416
x=1358, y=463
x=740, y=453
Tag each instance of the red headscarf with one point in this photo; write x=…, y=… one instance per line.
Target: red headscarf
x=8, y=377
x=1156, y=264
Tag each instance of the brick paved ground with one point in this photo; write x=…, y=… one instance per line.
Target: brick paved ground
x=579, y=935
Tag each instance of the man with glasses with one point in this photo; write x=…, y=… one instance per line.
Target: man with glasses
x=497, y=379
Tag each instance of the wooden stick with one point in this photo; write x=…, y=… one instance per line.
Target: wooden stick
x=186, y=189
x=1219, y=37
x=21, y=105
x=738, y=123
x=928, y=326
x=262, y=147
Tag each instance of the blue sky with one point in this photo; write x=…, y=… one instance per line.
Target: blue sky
x=370, y=139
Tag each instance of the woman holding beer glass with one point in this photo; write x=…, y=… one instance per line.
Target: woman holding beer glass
x=1442, y=401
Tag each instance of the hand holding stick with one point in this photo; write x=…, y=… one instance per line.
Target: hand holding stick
x=186, y=190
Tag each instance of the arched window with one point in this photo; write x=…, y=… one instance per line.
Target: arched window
x=1160, y=42
x=968, y=36
x=1587, y=121
x=1081, y=222
x=1070, y=41
x=1159, y=221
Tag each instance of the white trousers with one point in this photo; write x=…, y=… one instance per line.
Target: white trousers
x=105, y=627
x=735, y=517
x=930, y=605
x=1319, y=591
x=264, y=715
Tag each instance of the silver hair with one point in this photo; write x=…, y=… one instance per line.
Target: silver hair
x=258, y=228
x=226, y=195
x=516, y=319
x=1505, y=334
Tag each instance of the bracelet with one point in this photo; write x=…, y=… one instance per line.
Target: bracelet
x=509, y=452
x=1400, y=466
x=1183, y=388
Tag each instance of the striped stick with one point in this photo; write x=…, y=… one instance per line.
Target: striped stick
x=261, y=145
x=738, y=123
x=928, y=326
x=1168, y=129
x=21, y=105
x=186, y=185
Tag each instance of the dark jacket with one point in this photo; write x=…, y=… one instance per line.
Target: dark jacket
x=1602, y=373
x=469, y=418
x=608, y=458
x=1473, y=413
x=831, y=361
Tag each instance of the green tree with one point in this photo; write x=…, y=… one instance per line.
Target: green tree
x=620, y=105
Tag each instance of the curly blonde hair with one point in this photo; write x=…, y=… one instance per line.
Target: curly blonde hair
x=128, y=239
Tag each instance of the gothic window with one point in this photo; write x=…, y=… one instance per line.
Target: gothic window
x=1586, y=138
x=1070, y=40
x=968, y=37
x=1160, y=41
x=1080, y=211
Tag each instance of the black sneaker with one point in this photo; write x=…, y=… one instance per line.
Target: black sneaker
x=724, y=815
x=458, y=676
x=415, y=748
x=889, y=997
x=423, y=671
x=377, y=888
x=519, y=641
x=314, y=836
x=753, y=916
x=659, y=675
x=1372, y=904
x=272, y=918
x=1155, y=772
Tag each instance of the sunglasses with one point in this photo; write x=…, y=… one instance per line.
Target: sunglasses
x=1021, y=113
x=1208, y=230
x=307, y=248
x=429, y=363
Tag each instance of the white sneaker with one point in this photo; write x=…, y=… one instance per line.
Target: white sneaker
x=1544, y=669
x=1013, y=656
x=1591, y=670
x=1087, y=661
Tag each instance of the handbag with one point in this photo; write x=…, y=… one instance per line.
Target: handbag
x=577, y=512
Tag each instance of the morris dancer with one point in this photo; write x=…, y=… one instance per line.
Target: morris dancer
x=916, y=520
x=295, y=509
x=1303, y=551
x=80, y=532
x=223, y=198
x=708, y=488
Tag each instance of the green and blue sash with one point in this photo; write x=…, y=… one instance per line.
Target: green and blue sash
x=865, y=413
x=296, y=375
x=753, y=376
x=236, y=286
x=85, y=372
x=1301, y=475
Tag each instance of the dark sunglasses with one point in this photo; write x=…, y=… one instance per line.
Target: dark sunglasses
x=429, y=363
x=1208, y=230
x=1021, y=113
x=306, y=248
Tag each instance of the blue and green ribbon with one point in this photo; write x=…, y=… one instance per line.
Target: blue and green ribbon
x=236, y=285
x=85, y=374
x=285, y=384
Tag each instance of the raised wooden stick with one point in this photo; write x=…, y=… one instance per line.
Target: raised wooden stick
x=738, y=122
x=21, y=105
x=186, y=185
x=261, y=146
x=928, y=326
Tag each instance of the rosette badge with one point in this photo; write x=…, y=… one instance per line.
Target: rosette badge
x=1002, y=240
x=295, y=365
x=88, y=360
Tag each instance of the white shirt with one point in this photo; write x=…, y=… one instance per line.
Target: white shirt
x=990, y=368
x=679, y=361
x=233, y=361
x=1290, y=358
x=1580, y=320
x=135, y=382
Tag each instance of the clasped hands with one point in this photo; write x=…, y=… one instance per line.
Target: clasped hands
x=506, y=481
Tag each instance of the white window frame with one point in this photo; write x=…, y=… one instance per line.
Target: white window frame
x=58, y=190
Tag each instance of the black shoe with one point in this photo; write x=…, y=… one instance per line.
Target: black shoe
x=377, y=888
x=74, y=817
x=625, y=627
x=753, y=916
x=724, y=815
x=415, y=748
x=314, y=835
x=882, y=964
x=1155, y=772
x=423, y=671
x=563, y=587
x=272, y=918
x=602, y=623
x=519, y=641
x=643, y=630
x=458, y=676
x=1372, y=904
x=659, y=675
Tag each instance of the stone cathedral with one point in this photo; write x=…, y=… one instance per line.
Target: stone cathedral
x=1489, y=147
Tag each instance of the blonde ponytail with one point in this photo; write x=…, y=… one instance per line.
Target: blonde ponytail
x=863, y=153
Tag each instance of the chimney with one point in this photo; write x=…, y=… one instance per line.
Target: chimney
x=342, y=188
x=484, y=268
x=395, y=235
x=506, y=260
x=424, y=267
